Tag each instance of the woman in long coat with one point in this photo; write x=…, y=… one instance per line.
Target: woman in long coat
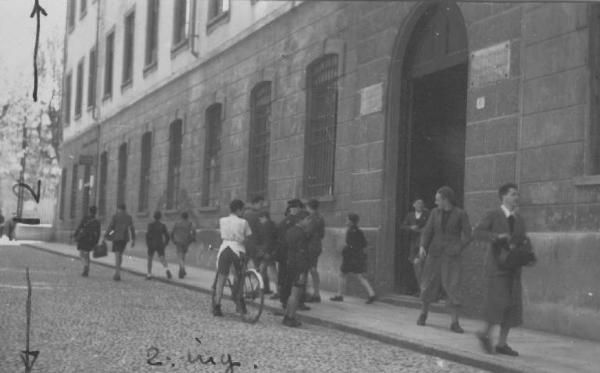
x=444, y=237
x=87, y=236
x=503, y=302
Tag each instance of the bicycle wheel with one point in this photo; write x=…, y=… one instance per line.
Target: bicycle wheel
x=252, y=295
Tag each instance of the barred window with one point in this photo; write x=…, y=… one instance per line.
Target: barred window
x=79, y=90
x=108, y=67
x=145, y=171
x=92, y=79
x=128, y=48
x=122, y=176
x=74, y=183
x=212, y=161
x=319, y=155
x=174, y=170
x=67, y=103
x=102, y=183
x=260, y=127
x=151, y=33
x=63, y=194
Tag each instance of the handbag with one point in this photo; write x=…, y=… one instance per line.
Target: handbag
x=514, y=253
x=100, y=250
x=110, y=235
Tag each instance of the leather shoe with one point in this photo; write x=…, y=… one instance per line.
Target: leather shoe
x=421, y=320
x=485, y=342
x=456, y=328
x=506, y=350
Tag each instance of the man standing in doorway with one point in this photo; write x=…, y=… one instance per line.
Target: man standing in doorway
x=118, y=231
x=503, y=302
x=445, y=236
x=414, y=223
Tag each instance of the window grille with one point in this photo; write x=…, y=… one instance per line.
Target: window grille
x=260, y=127
x=212, y=161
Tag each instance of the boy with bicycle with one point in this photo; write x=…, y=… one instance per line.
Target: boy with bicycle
x=234, y=231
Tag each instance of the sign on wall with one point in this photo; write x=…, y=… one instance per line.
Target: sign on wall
x=371, y=99
x=490, y=64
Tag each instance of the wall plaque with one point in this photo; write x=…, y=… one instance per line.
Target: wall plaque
x=371, y=99
x=490, y=64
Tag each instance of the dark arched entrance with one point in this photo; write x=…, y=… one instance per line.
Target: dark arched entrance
x=428, y=92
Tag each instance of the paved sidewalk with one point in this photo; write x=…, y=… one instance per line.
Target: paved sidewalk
x=540, y=352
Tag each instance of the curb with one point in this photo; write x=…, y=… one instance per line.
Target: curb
x=416, y=346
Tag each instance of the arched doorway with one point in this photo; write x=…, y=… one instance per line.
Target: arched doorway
x=428, y=83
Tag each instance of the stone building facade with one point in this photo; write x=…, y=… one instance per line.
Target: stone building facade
x=363, y=105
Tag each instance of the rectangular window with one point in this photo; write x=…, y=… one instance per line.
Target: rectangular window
x=180, y=22
x=67, y=103
x=74, y=185
x=321, y=124
x=128, y=47
x=63, y=194
x=108, y=66
x=87, y=174
x=79, y=90
x=102, y=183
x=82, y=8
x=71, y=14
x=145, y=171
x=122, y=176
x=216, y=8
x=92, y=79
x=152, y=34
x=260, y=126
x=212, y=161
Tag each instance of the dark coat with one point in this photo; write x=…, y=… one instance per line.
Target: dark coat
x=449, y=241
x=287, y=222
x=122, y=224
x=354, y=259
x=87, y=233
x=316, y=232
x=503, y=301
x=415, y=236
x=296, y=239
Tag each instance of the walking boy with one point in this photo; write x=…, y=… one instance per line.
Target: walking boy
x=157, y=239
x=118, y=230
x=183, y=235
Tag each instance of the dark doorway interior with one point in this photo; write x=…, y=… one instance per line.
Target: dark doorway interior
x=437, y=149
x=436, y=152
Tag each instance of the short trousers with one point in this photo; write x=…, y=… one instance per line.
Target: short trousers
x=313, y=258
x=182, y=247
x=227, y=258
x=160, y=251
x=119, y=246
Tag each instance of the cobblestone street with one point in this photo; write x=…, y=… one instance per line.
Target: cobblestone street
x=97, y=325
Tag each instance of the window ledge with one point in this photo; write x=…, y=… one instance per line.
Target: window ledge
x=82, y=15
x=126, y=84
x=77, y=116
x=143, y=214
x=323, y=198
x=107, y=97
x=150, y=68
x=90, y=108
x=222, y=17
x=586, y=180
x=208, y=208
x=179, y=47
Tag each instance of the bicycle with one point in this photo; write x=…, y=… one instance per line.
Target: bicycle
x=252, y=297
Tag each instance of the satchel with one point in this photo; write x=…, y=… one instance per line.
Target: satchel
x=514, y=253
x=100, y=250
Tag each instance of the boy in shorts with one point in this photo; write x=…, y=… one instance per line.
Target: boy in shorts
x=234, y=231
x=157, y=238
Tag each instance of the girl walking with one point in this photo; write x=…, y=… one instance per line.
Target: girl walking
x=354, y=259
